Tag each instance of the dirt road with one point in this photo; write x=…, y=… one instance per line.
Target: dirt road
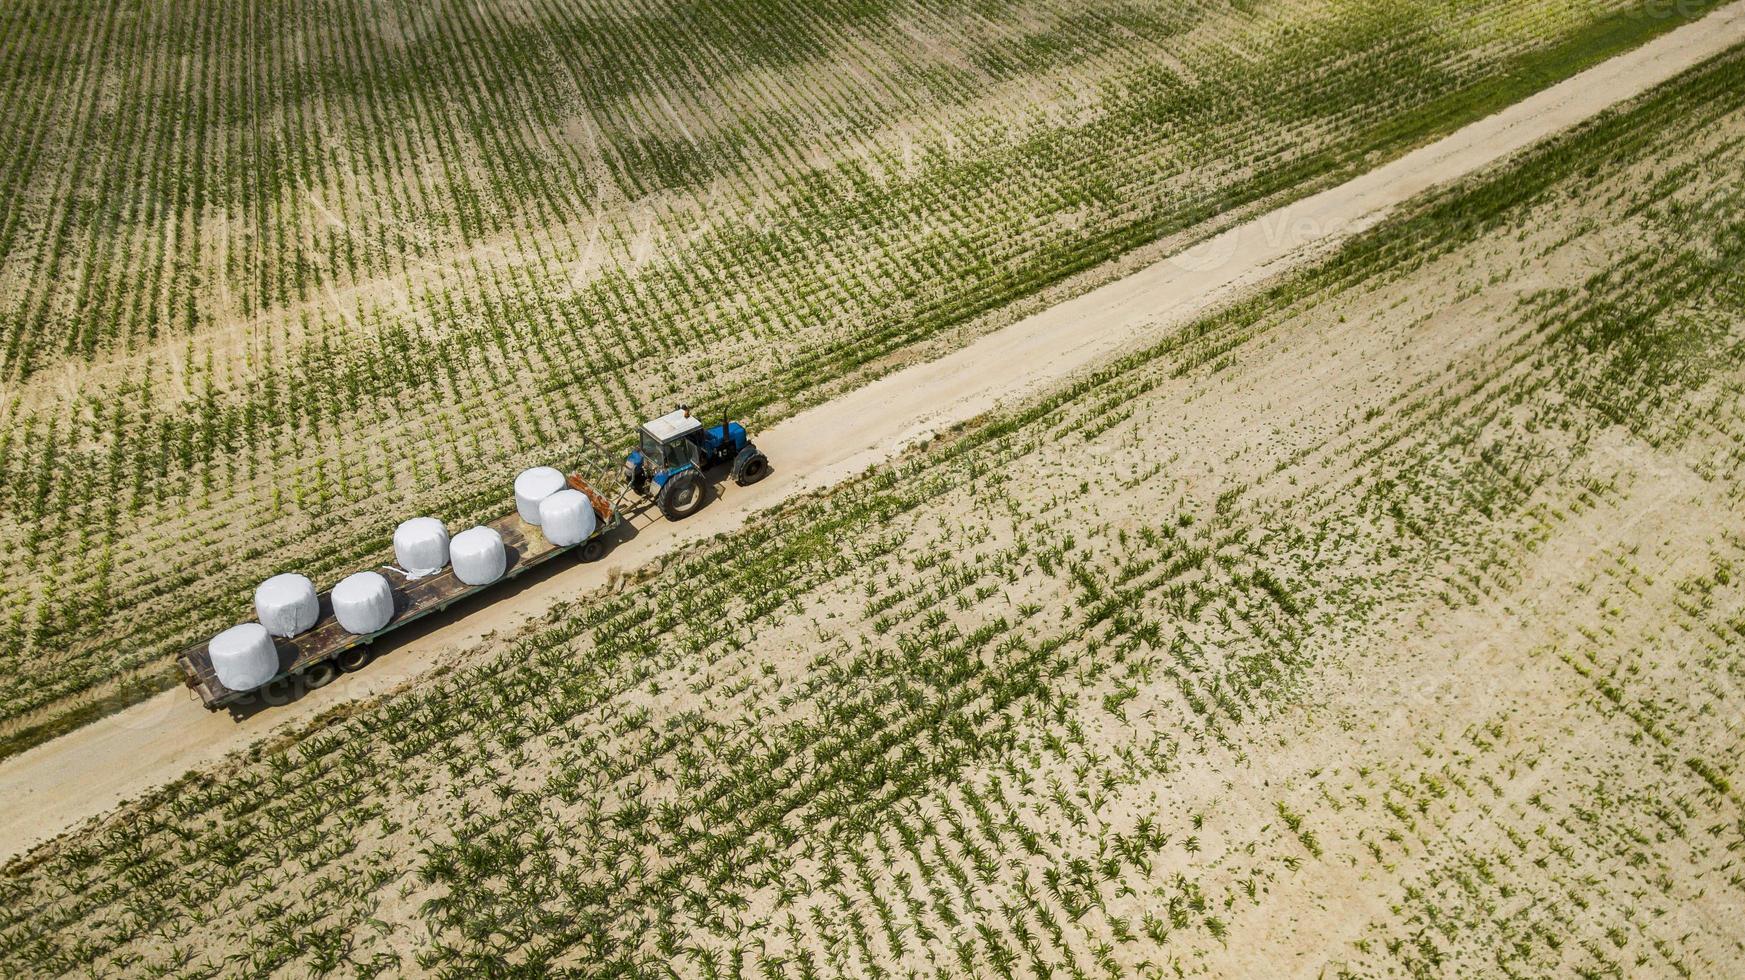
x=89, y=771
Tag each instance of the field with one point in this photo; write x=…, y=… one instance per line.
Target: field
x=1386, y=623
x=276, y=276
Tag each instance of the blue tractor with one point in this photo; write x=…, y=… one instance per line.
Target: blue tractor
x=668, y=465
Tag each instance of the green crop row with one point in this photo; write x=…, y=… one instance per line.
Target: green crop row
x=960, y=715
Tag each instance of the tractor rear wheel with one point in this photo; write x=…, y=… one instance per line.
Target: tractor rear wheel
x=681, y=496
x=750, y=466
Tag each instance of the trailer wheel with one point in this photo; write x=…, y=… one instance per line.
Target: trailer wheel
x=592, y=550
x=275, y=693
x=750, y=466
x=353, y=659
x=320, y=675
x=681, y=496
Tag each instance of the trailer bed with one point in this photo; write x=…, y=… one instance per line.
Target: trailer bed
x=414, y=599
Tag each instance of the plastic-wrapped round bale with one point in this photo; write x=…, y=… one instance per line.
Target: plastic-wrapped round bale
x=363, y=603
x=478, y=556
x=421, y=546
x=535, y=485
x=567, y=517
x=244, y=657
x=286, y=604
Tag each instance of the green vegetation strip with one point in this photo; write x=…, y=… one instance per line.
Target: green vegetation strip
x=632, y=786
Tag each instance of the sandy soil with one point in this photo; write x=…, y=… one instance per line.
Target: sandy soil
x=1486, y=725
x=81, y=775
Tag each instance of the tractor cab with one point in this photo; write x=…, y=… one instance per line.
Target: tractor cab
x=672, y=452
x=667, y=447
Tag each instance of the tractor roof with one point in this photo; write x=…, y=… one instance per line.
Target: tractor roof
x=672, y=425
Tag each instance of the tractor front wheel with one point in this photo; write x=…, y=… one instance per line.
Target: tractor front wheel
x=681, y=496
x=750, y=466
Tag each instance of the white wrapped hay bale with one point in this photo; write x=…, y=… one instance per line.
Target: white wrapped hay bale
x=478, y=556
x=244, y=657
x=533, y=486
x=421, y=546
x=363, y=603
x=566, y=517
x=286, y=604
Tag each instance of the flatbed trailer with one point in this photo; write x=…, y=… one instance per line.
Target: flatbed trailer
x=317, y=655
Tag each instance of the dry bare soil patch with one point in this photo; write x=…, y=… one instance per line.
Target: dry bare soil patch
x=275, y=276
x=1387, y=623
